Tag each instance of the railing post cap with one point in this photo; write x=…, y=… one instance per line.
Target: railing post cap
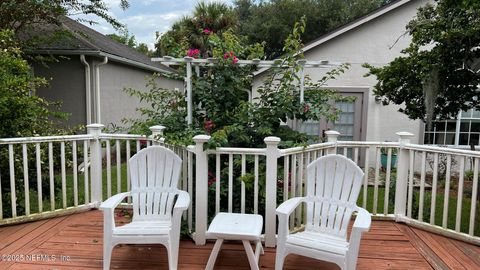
x=201, y=138
x=95, y=126
x=332, y=133
x=272, y=140
x=95, y=129
x=157, y=128
x=405, y=134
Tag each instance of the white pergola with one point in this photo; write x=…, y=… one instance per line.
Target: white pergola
x=264, y=64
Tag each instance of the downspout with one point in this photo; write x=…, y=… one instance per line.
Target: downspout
x=87, y=89
x=97, y=87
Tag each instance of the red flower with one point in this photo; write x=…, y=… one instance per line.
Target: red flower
x=207, y=31
x=143, y=142
x=193, y=53
x=235, y=60
x=226, y=56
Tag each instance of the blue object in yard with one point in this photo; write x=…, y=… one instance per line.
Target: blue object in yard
x=384, y=158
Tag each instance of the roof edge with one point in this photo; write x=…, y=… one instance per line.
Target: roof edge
x=347, y=27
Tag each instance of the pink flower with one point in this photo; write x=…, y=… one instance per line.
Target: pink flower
x=193, y=53
x=306, y=108
x=207, y=31
x=235, y=60
x=208, y=125
x=226, y=56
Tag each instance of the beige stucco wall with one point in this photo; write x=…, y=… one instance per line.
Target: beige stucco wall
x=115, y=103
x=377, y=42
x=66, y=85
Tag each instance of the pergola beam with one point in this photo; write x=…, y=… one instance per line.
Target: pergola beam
x=190, y=61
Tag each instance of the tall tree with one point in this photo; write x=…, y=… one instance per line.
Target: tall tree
x=192, y=31
x=438, y=75
x=271, y=21
x=19, y=14
x=131, y=42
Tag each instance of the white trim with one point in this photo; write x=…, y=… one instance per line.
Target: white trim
x=356, y=24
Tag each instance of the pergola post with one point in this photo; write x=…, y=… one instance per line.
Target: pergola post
x=188, y=60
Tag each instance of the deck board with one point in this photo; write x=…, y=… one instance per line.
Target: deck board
x=78, y=237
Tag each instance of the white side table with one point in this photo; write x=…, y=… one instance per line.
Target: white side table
x=243, y=227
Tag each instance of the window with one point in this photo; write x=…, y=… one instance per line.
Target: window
x=345, y=124
x=465, y=130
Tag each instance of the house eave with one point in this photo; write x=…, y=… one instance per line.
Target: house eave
x=112, y=57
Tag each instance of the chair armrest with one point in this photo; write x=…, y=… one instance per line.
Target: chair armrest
x=183, y=201
x=288, y=206
x=113, y=201
x=363, y=220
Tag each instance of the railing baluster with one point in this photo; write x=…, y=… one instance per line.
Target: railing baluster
x=387, y=181
x=64, y=175
x=366, y=170
x=375, y=188
x=139, y=147
x=286, y=162
x=434, y=189
x=184, y=175
x=293, y=185
x=86, y=166
x=119, y=166
x=422, y=187
x=129, y=187
x=473, y=206
x=52, y=176
x=355, y=155
x=13, y=192
x=299, y=210
x=25, y=179
x=447, y=192
x=109, y=168
x=75, y=173
x=242, y=192
x=345, y=151
x=190, y=189
x=255, y=186
x=217, y=183
x=39, y=178
x=230, y=183
x=458, y=216
x=411, y=169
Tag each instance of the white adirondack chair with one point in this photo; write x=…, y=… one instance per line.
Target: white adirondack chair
x=333, y=185
x=157, y=205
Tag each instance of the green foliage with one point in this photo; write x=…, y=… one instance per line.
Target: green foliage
x=271, y=21
x=193, y=32
x=126, y=39
x=20, y=14
x=437, y=75
x=220, y=98
x=22, y=112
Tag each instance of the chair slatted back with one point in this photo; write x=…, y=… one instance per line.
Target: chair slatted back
x=154, y=175
x=333, y=186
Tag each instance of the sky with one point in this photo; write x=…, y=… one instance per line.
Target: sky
x=144, y=17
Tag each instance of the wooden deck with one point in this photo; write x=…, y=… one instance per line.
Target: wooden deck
x=75, y=242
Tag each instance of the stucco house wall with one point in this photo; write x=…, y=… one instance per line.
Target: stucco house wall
x=116, y=104
x=66, y=85
x=377, y=42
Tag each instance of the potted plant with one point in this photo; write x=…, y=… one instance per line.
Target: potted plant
x=384, y=157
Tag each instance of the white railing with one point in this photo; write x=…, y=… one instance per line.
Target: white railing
x=430, y=187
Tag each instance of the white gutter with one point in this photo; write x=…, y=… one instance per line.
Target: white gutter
x=97, y=88
x=134, y=63
x=88, y=96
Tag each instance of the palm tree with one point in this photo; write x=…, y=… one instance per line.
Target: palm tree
x=211, y=17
